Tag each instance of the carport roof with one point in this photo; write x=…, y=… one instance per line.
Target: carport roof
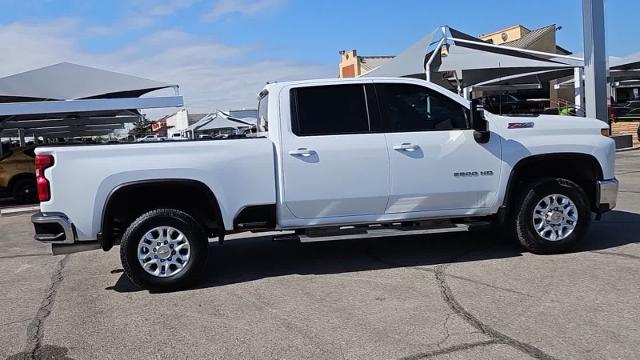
x=471, y=58
x=67, y=94
x=67, y=81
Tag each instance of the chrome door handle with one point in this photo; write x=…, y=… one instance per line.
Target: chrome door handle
x=301, y=152
x=406, y=147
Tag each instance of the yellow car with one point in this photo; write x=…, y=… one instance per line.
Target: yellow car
x=18, y=174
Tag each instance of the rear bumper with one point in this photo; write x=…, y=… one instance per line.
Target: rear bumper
x=607, y=194
x=56, y=229
x=53, y=228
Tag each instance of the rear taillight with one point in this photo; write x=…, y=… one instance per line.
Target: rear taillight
x=43, y=162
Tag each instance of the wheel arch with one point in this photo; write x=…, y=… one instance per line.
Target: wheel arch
x=191, y=196
x=584, y=169
x=18, y=177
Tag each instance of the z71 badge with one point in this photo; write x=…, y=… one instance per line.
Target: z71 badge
x=521, y=125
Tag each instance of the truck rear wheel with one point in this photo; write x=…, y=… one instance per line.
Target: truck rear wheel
x=164, y=250
x=553, y=217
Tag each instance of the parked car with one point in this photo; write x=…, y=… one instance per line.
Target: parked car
x=509, y=104
x=150, y=138
x=18, y=174
x=629, y=115
x=177, y=137
x=622, y=109
x=334, y=159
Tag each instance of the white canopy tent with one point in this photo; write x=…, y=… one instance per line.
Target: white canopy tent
x=221, y=121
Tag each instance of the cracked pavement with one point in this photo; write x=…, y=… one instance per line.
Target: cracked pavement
x=454, y=296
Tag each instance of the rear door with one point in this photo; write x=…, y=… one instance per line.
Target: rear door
x=435, y=162
x=333, y=165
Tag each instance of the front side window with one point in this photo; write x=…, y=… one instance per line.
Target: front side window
x=408, y=107
x=329, y=110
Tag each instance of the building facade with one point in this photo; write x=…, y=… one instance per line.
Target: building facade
x=353, y=65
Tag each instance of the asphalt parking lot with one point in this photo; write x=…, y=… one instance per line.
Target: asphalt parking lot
x=459, y=296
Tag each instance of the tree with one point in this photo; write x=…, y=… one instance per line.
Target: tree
x=141, y=128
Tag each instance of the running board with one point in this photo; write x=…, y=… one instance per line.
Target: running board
x=377, y=231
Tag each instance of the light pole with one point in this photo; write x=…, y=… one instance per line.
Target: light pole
x=595, y=60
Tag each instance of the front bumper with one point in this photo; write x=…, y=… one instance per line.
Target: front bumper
x=607, y=194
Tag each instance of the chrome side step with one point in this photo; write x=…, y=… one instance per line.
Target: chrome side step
x=378, y=231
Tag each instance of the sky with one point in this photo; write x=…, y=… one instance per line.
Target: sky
x=222, y=52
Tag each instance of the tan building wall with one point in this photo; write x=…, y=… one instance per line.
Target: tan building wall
x=509, y=34
x=626, y=128
x=349, y=64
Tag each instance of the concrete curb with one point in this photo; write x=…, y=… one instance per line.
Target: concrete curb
x=19, y=210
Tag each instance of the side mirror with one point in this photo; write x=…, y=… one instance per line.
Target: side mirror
x=479, y=124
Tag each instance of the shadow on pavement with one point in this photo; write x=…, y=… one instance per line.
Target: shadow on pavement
x=243, y=260
x=8, y=202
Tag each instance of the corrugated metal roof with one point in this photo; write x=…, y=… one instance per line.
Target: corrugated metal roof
x=531, y=37
x=372, y=62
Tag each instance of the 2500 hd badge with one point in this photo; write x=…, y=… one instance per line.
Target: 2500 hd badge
x=473, y=173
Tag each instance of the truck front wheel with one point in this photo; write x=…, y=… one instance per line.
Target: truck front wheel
x=164, y=250
x=553, y=217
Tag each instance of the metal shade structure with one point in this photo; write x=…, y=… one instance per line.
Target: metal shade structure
x=468, y=59
x=76, y=100
x=532, y=80
x=410, y=63
x=479, y=66
x=67, y=81
x=66, y=131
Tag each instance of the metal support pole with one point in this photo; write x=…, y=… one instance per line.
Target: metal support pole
x=427, y=68
x=1, y=127
x=21, y=137
x=578, y=87
x=466, y=93
x=595, y=61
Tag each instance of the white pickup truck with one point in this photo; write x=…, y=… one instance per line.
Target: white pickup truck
x=332, y=159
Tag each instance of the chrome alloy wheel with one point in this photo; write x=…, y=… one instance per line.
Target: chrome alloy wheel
x=163, y=251
x=555, y=217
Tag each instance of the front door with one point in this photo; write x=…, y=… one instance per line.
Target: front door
x=435, y=163
x=333, y=165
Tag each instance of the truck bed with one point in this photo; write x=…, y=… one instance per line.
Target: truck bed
x=240, y=172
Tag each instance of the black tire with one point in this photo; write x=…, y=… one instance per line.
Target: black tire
x=164, y=217
x=534, y=193
x=24, y=191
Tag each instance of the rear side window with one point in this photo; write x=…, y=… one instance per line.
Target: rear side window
x=408, y=107
x=329, y=110
x=263, y=111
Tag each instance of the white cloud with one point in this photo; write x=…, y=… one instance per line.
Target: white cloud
x=210, y=74
x=242, y=7
x=138, y=14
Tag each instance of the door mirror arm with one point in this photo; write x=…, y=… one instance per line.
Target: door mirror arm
x=479, y=124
